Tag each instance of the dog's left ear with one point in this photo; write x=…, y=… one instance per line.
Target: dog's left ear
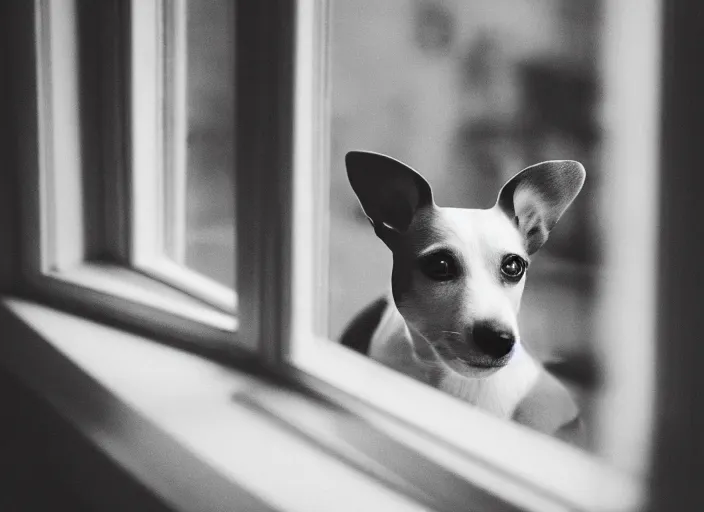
x=537, y=197
x=390, y=192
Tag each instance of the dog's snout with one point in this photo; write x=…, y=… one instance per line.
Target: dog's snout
x=492, y=339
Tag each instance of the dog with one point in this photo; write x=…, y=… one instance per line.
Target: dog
x=456, y=285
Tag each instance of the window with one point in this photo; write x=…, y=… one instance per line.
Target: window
x=111, y=170
x=192, y=75
x=426, y=82
x=114, y=225
x=372, y=67
x=183, y=140
x=468, y=93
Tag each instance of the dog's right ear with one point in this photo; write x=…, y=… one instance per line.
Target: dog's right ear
x=389, y=191
x=536, y=198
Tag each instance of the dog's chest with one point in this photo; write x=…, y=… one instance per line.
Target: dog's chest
x=498, y=394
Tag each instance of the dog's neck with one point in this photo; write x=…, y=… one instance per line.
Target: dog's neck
x=397, y=345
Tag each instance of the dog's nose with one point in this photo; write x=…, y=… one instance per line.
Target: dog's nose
x=492, y=339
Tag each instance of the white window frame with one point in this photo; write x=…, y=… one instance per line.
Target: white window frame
x=158, y=149
x=279, y=291
x=58, y=262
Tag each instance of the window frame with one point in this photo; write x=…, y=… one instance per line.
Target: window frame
x=61, y=263
x=158, y=128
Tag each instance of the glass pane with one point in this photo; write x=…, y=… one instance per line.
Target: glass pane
x=468, y=93
x=200, y=75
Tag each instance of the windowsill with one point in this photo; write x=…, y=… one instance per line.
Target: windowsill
x=200, y=435
x=169, y=420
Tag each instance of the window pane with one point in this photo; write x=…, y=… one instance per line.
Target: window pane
x=468, y=93
x=204, y=238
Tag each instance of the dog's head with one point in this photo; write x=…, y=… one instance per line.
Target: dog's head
x=458, y=274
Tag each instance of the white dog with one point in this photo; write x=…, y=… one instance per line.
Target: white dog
x=457, y=280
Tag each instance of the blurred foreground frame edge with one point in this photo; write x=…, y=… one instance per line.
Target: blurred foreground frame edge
x=678, y=454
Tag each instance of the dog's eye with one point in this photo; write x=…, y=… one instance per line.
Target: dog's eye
x=513, y=267
x=439, y=266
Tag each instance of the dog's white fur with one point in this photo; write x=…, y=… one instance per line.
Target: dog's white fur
x=421, y=332
x=393, y=345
